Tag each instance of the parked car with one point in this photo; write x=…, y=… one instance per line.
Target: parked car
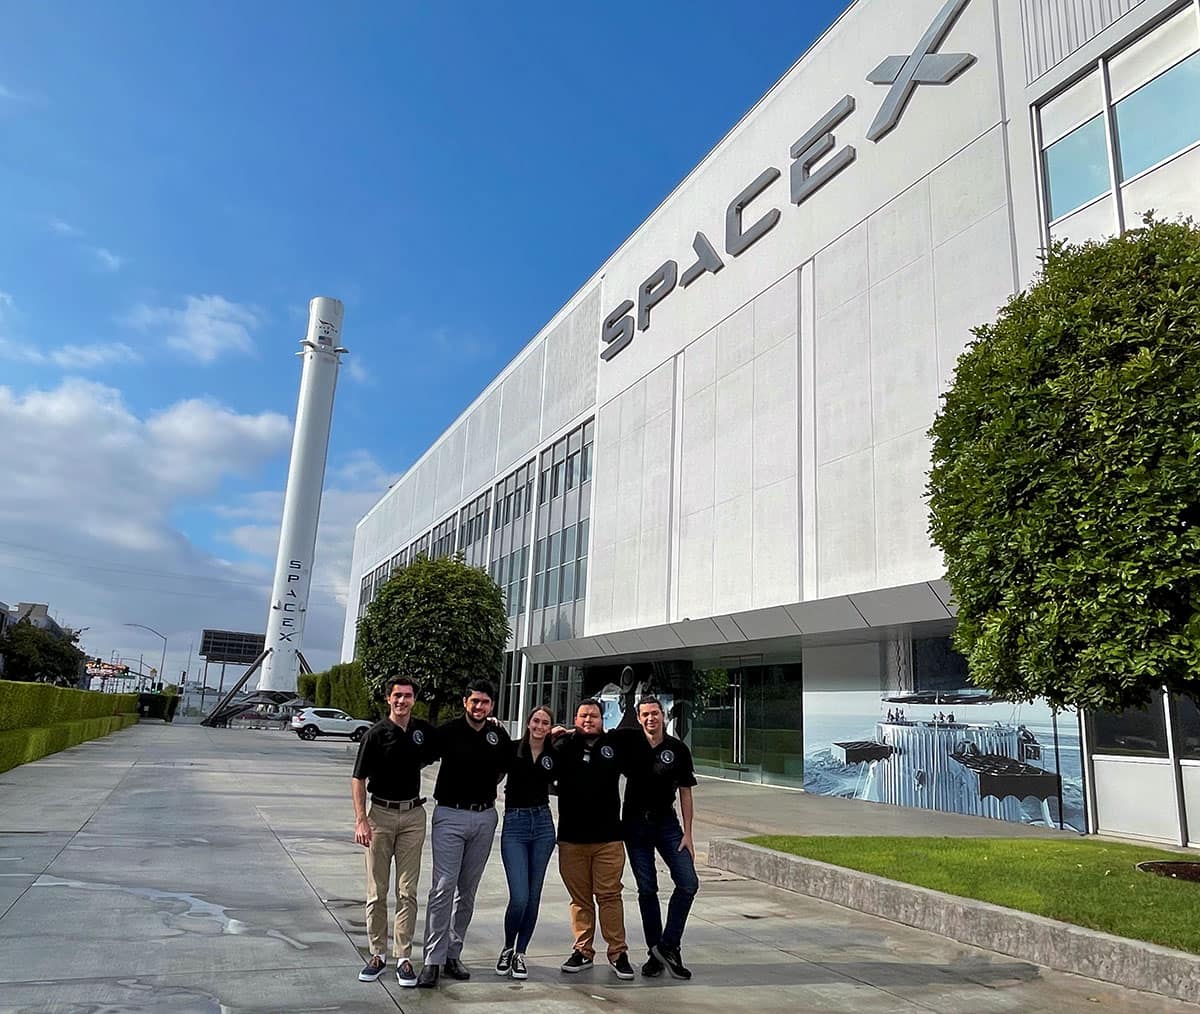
x=309, y=723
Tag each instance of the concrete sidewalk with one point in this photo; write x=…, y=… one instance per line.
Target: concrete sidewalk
x=177, y=868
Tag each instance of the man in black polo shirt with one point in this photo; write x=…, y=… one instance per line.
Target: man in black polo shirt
x=475, y=755
x=651, y=825
x=392, y=827
x=591, y=856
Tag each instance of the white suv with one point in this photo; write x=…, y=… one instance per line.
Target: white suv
x=309, y=723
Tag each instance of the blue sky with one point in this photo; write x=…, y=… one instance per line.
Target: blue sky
x=177, y=180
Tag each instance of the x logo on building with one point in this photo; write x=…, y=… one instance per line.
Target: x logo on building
x=924, y=66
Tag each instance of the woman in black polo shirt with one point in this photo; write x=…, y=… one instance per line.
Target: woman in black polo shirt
x=527, y=839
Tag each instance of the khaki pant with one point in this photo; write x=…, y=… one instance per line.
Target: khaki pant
x=396, y=837
x=594, y=871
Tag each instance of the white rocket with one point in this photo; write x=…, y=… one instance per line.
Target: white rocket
x=302, y=503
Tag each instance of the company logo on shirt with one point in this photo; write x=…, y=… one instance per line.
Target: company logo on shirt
x=492, y=738
x=547, y=761
x=606, y=752
x=418, y=737
x=667, y=756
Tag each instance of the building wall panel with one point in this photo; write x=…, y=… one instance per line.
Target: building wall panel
x=1054, y=29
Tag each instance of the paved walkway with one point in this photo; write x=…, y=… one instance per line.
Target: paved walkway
x=177, y=868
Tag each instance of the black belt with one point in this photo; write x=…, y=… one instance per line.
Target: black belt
x=392, y=804
x=474, y=807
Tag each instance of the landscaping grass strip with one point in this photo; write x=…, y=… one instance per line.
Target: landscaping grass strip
x=1082, y=881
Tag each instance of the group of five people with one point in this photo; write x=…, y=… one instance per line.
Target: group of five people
x=584, y=765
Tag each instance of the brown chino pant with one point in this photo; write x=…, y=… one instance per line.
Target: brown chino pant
x=594, y=871
x=396, y=838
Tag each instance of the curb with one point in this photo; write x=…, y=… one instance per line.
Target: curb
x=1034, y=938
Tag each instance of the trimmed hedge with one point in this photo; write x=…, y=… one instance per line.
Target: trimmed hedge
x=341, y=687
x=20, y=746
x=38, y=704
x=37, y=719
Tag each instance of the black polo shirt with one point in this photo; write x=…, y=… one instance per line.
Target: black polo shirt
x=529, y=780
x=391, y=758
x=655, y=776
x=589, y=795
x=473, y=762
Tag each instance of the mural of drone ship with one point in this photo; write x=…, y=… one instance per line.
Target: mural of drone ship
x=940, y=762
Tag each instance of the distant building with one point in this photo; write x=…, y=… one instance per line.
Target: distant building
x=38, y=613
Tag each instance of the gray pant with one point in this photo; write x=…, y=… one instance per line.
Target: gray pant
x=462, y=842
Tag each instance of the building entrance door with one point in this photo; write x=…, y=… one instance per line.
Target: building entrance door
x=753, y=730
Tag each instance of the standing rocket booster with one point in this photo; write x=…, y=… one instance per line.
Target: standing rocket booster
x=302, y=503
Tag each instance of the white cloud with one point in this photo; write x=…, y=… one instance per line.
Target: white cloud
x=88, y=519
x=357, y=372
x=63, y=228
x=107, y=260
x=87, y=357
x=12, y=96
x=204, y=329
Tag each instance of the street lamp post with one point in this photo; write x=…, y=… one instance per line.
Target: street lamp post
x=162, y=665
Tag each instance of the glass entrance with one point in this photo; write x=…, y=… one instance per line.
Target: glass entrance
x=753, y=730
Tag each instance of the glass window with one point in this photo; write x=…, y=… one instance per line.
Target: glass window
x=1077, y=167
x=568, y=581
x=522, y=588
x=550, y=598
x=1160, y=118
x=1070, y=107
x=572, y=463
x=568, y=543
x=581, y=579
x=1136, y=731
x=556, y=480
x=544, y=487
x=1153, y=53
x=583, y=537
x=1187, y=727
x=585, y=463
x=555, y=551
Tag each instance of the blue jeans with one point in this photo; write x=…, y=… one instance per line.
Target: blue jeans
x=525, y=846
x=644, y=835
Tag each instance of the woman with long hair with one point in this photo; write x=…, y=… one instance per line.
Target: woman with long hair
x=527, y=839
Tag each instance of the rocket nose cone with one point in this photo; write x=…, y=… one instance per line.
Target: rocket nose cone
x=325, y=321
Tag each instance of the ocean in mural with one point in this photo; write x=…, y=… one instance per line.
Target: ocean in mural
x=992, y=759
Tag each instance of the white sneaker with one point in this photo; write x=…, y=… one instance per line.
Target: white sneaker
x=519, y=971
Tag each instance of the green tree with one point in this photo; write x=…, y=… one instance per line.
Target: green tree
x=1065, y=488
x=440, y=622
x=35, y=655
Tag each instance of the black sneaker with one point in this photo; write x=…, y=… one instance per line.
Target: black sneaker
x=652, y=968
x=504, y=962
x=519, y=971
x=670, y=957
x=621, y=967
x=373, y=969
x=577, y=962
x=405, y=974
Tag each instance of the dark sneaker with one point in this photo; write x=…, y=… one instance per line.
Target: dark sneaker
x=669, y=956
x=405, y=974
x=577, y=962
x=621, y=967
x=519, y=971
x=456, y=970
x=373, y=969
x=428, y=977
x=504, y=962
x=652, y=968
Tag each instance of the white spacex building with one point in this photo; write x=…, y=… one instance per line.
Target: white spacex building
x=708, y=469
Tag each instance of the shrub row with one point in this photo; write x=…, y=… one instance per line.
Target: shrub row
x=25, y=705
x=20, y=746
x=341, y=687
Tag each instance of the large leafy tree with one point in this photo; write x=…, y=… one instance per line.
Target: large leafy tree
x=35, y=655
x=1065, y=489
x=439, y=622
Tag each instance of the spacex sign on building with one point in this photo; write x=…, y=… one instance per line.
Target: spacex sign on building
x=811, y=166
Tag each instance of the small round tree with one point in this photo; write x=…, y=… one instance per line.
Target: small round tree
x=440, y=622
x=1065, y=488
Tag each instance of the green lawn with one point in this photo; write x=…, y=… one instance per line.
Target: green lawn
x=1083, y=881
